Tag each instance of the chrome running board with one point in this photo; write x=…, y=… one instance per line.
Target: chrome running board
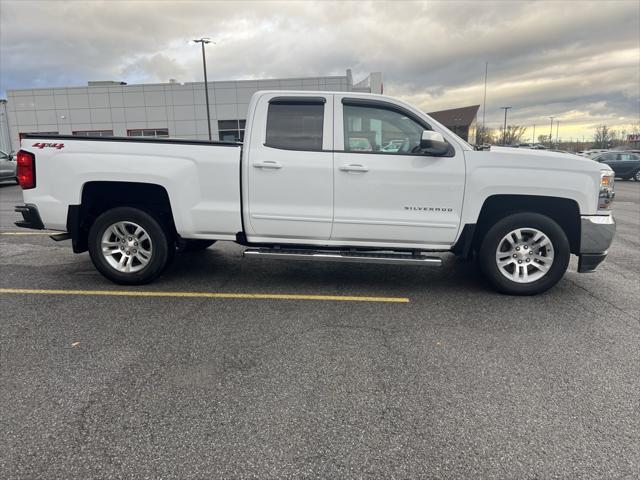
x=393, y=258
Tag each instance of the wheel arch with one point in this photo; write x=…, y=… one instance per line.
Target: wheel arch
x=564, y=211
x=99, y=196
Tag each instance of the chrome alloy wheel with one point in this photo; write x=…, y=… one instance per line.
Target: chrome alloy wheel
x=524, y=255
x=127, y=247
x=636, y=176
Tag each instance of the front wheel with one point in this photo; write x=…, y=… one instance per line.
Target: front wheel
x=129, y=246
x=524, y=254
x=636, y=176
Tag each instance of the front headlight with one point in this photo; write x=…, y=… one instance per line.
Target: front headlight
x=607, y=194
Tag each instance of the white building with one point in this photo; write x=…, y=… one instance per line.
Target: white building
x=162, y=110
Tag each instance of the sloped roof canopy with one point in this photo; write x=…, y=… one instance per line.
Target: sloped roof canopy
x=456, y=117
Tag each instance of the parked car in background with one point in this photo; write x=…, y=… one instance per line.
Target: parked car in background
x=592, y=152
x=625, y=165
x=534, y=146
x=393, y=146
x=360, y=144
x=7, y=167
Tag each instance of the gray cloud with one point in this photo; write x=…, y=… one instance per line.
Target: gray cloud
x=576, y=60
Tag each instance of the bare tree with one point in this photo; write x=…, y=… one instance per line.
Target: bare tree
x=486, y=137
x=543, y=139
x=619, y=138
x=602, y=137
x=513, y=134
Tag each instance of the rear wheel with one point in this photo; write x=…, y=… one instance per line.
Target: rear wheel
x=636, y=176
x=129, y=246
x=524, y=254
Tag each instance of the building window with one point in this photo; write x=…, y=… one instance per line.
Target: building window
x=22, y=134
x=149, y=132
x=295, y=125
x=93, y=133
x=231, y=130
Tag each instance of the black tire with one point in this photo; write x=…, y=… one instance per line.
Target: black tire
x=636, y=176
x=491, y=242
x=161, y=241
x=193, y=245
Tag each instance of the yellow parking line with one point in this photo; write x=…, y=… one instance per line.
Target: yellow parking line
x=28, y=233
x=248, y=296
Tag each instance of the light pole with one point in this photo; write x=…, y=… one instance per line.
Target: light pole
x=557, y=130
x=204, y=41
x=533, y=140
x=484, y=103
x=551, y=133
x=504, y=130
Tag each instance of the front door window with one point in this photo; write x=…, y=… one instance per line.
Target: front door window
x=381, y=130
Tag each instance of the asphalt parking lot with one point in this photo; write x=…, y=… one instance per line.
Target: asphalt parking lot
x=431, y=375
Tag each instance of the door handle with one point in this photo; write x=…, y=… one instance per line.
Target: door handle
x=267, y=164
x=354, y=167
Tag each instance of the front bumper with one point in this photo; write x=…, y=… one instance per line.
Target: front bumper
x=596, y=235
x=30, y=217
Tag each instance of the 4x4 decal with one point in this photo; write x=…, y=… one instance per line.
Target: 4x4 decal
x=41, y=145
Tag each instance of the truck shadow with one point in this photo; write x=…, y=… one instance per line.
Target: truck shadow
x=227, y=269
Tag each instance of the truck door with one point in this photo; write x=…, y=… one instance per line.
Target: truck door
x=385, y=191
x=289, y=169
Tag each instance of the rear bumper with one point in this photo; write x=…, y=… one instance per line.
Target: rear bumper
x=30, y=217
x=596, y=235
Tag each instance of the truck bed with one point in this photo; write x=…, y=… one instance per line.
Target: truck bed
x=201, y=178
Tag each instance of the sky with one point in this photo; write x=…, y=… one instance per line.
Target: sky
x=578, y=61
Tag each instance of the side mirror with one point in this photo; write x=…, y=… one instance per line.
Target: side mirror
x=433, y=143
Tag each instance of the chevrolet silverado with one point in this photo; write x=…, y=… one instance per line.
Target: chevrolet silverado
x=322, y=176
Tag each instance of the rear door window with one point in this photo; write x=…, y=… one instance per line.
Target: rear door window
x=295, y=125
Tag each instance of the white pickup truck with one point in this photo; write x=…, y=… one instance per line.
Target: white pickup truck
x=322, y=176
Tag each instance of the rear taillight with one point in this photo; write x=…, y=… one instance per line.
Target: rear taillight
x=26, y=169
